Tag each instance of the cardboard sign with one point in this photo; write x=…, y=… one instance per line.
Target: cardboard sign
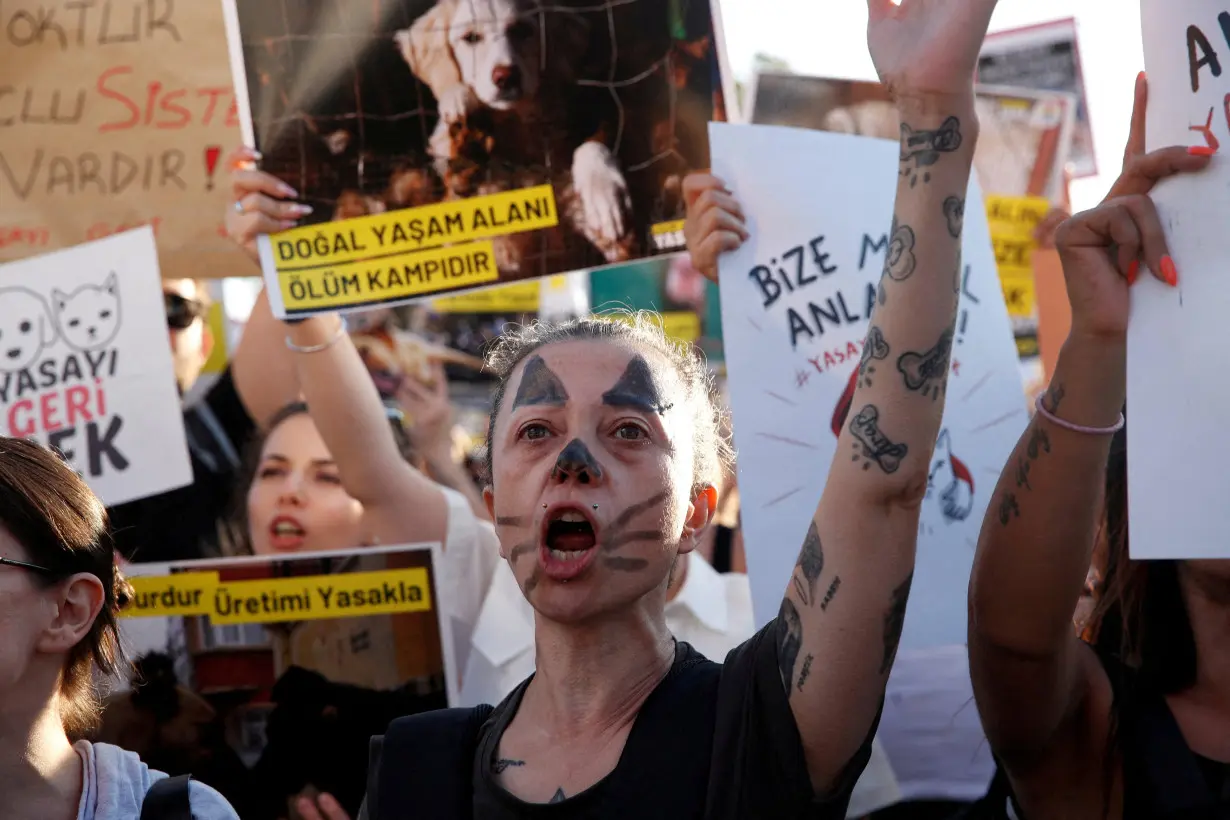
x=286, y=663
x=1176, y=447
x=85, y=365
x=1013, y=221
x=797, y=300
x=439, y=160
x=116, y=115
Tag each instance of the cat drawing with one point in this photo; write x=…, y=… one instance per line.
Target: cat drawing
x=89, y=317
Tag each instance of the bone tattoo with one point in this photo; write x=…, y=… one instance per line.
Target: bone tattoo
x=577, y=462
x=636, y=389
x=954, y=212
x=922, y=370
x=899, y=262
x=922, y=149
x=539, y=385
x=876, y=446
x=873, y=348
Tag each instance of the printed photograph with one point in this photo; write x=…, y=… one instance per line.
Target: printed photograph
x=285, y=667
x=369, y=108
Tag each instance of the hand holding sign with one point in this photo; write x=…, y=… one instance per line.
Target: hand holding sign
x=1102, y=249
x=927, y=48
x=714, y=223
x=258, y=204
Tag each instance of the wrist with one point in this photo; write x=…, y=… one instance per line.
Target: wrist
x=914, y=104
x=1089, y=386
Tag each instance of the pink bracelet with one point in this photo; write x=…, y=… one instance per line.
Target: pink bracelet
x=1077, y=428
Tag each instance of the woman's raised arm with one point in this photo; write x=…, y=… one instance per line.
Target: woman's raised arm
x=1043, y=697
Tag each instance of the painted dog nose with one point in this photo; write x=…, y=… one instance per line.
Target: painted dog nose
x=576, y=462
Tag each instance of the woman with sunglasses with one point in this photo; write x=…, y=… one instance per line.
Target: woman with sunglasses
x=60, y=594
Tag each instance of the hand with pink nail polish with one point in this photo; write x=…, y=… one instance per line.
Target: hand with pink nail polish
x=323, y=807
x=259, y=202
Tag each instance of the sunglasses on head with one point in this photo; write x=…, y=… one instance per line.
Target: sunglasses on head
x=24, y=565
x=181, y=312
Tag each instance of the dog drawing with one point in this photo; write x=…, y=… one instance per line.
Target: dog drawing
x=508, y=64
x=952, y=479
x=26, y=328
x=89, y=317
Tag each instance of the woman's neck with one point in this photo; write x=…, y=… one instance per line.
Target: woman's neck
x=1208, y=609
x=679, y=575
x=40, y=770
x=594, y=678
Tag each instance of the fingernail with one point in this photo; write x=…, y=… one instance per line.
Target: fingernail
x=287, y=224
x=288, y=191
x=300, y=209
x=1140, y=78
x=1132, y=272
x=1201, y=151
x=1169, y=274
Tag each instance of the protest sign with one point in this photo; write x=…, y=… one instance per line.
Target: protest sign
x=1023, y=140
x=1044, y=57
x=311, y=654
x=686, y=303
x=85, y=365
x=1174, y=338
x=118, y=114
x=445, y=145
x=796, y=303
x=1013, y=221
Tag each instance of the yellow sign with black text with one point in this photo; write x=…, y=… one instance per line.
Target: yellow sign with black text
x=273, y=600
x=393, y=256
x=1013, y=221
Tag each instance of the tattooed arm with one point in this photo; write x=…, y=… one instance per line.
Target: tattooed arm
x=1043, y=696
x=842, y=615
x=400, y=504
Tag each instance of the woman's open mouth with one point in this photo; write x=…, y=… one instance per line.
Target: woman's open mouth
x=569, y=542
x=286, y=534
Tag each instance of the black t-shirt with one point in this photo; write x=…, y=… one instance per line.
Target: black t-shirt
x=712, y=742
x=183, y=523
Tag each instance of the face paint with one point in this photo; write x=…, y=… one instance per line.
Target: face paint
x=618, y=534
x=577, y=462
x=626, y=564
x=636, y=389
x=510, y=520
x=522, y=549
x=539, y=385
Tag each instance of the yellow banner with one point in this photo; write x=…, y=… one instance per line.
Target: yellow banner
x=1013, y=220
x=188, y=593
x=270, y=600
x=521, y=297
x=668, y=236
x=1020, y=293
x=1022, y=212
x=388, y=279
x=321, y=596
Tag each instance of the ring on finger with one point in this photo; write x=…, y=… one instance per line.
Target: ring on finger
x=240, y=208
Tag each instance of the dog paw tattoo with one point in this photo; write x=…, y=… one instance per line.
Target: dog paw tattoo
x=954, y=212
x=872, y=445
x=922, y=149
x=924, y=372
x=874, y=349
x=899, y=262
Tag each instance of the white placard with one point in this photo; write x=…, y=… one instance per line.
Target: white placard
x=1177, y=447
x=819, y=207
x=85, y=365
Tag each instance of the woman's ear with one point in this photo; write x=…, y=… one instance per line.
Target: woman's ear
x=700, y=514
x=80, y=599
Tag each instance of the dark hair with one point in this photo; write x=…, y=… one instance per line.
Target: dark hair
x=642, y=332
x=1139, y=617
x=62, y=525
x=234, y=535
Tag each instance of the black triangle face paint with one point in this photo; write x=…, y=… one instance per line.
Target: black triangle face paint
x=636, y=389
x=539, y=385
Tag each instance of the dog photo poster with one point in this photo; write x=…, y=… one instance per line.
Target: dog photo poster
x=448, y=145
x=85, y=365
x=798, y=297
x=268, y=675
